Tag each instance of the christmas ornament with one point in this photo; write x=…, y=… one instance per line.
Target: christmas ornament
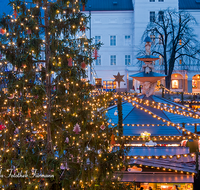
x=2, y=127
x=64, y=166
x=69, y=62
x=1, y=56
x=112, y=142
x=83, y=65
x=82, y=29
x=11, y=97
x=29, y=112
x=102, y=127
x=67, y=140
x=2, y=31
x=119, y=78
x=77, y=128
x=29, y=31
x=83, y=7
x=16, y=131
x=95, y=54
x=116, y=113
x=15, y=13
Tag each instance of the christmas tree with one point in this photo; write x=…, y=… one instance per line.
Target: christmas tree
x=54, y=133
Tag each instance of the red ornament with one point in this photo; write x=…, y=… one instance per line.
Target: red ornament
x=83, y=65
x=15, y=13
x=2, y=31
x=112, y=142
x=69, y=62
x=82, y=29
x=102, y=127
x=29, y=31
x=2, y=127
x=1, y=56
x=95, y=54
x=83, y=7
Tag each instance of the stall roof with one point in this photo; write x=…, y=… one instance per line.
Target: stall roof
x=158, y=151
x=109, y=5
x=189, y=4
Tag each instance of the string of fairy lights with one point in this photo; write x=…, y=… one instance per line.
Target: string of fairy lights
x=164, y=169
x=173, y=92
x=177, y=156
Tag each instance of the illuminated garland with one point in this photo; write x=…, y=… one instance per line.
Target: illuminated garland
x=178, y=156
x=172, y=92
x=168, y=122
x=164, y=169
x=163, y=106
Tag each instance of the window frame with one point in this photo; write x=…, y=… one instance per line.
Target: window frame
x=160, y=16
x=127, y=60
x=152, y=18
x=113, y=42
x=127, y=41
x=99, y=40
x=98, y=60
x=113, y=59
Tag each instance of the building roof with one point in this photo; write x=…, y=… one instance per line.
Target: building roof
x=109, y=5
x=189, y=4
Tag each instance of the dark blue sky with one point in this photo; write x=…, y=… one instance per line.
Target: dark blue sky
x=5, y=8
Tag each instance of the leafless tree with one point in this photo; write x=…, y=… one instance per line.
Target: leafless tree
x=173, y=40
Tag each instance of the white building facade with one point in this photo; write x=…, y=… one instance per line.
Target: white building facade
x=119, y=25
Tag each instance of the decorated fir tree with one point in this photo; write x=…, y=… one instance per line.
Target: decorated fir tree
x=54, y=133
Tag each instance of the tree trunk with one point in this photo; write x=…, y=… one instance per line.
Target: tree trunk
x=48, y=80
x=168, y=82
x=120, y=116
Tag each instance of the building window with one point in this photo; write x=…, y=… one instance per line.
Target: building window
x=194, y=84
x=97, y=39
x=113, y=60
x=174, y=84
x=152, y=16
x=127, y=60
x=160, y=16
x=113, y=40
x=160, y=0
x=151, y=0
x=127, y=40
x=98, y=60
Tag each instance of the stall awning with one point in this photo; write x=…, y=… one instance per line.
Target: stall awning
x=157, y=178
